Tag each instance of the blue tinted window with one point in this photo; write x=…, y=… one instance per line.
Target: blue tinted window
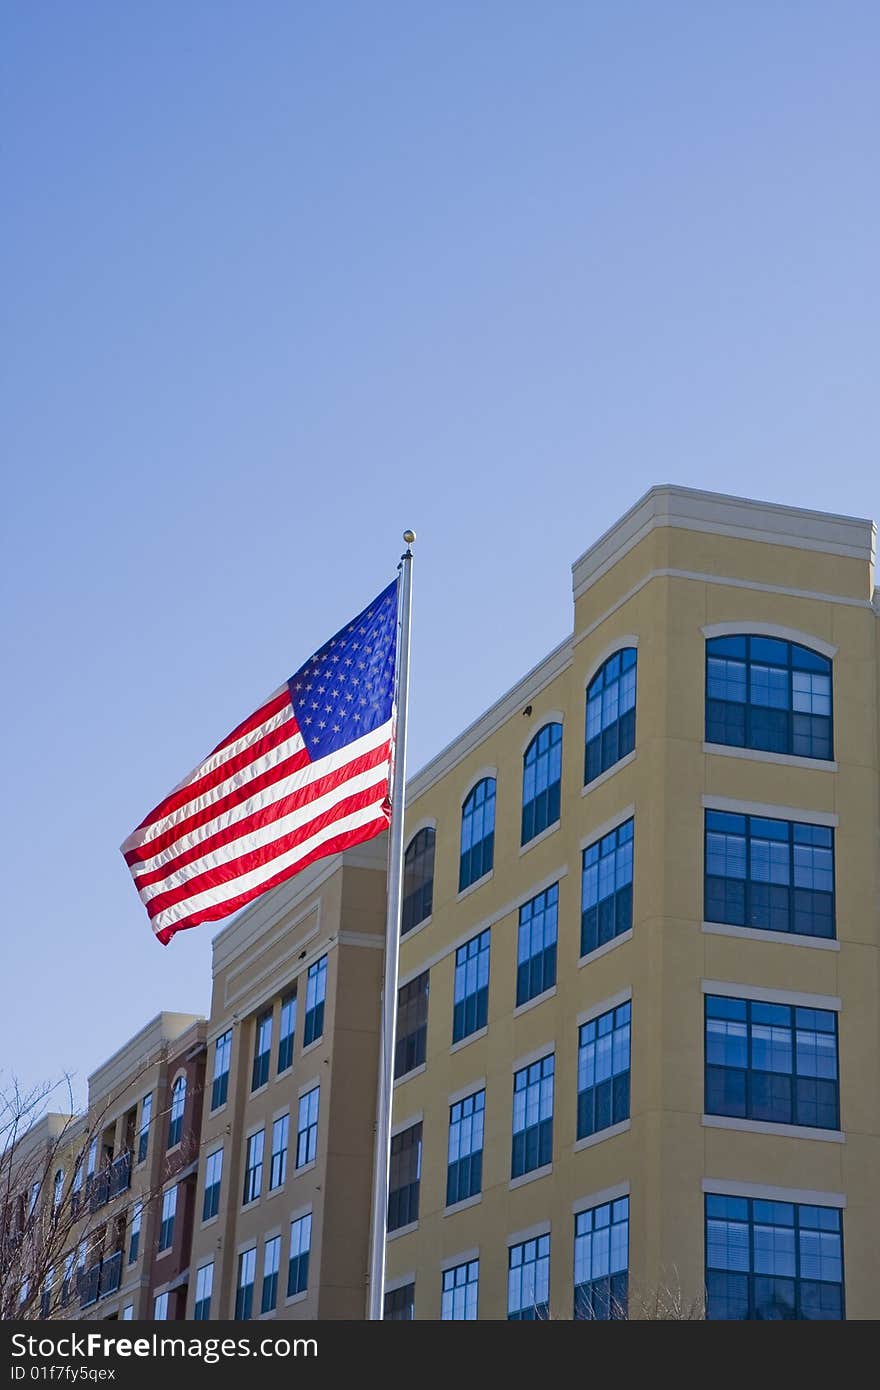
x=611, y=713
x=772, y=1260
x=775, y=875
x=316, y=994
x=606, y=890
x=405, y=1177
x=603, y=1071
x=400, y=1303
x=471, y=989
x=601, y=1261
x=771, y=1062
x=418, y=879
x=536, y=945
x=528, y=1280
x=532, y=1117
x=768, y=694
x=412, y=1025
x=542, y=780
x=464, y=1170
x=460, y=1287
x=477, y=833
x=175, y=1118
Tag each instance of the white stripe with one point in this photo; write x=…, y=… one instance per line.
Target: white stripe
x=265, y=835
x=225, y=891
x=292, y=745
x=312, y=772
x=222, y=755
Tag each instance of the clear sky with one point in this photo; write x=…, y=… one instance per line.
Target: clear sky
x=281, y=278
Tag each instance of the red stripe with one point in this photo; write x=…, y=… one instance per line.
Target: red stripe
x=347, y=840
x=256, y=858
x=253, y=721
x=198, y=786
x=223, y=803
x=266, y=815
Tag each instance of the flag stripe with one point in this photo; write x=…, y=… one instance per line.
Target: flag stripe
x=250, y=797
x=274, y=871
x=346, y=838
x=264, y=823
x=261, y=721
x=254, y=859
x=291, y=751
x=280, y=741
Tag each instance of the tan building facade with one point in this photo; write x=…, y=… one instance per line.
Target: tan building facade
x=638, y=1052
x=687, y=1094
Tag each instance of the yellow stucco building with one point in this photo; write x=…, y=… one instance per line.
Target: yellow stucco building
x=641, y=970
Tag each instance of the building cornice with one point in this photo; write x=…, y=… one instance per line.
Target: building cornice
x=718, y=514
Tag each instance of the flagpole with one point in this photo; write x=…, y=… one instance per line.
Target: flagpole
x=378, y=1232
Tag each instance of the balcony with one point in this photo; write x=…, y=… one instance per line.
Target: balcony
x=120, y=1174
x=112, y=1180
x=100, y=1189
x=101, y=1279
x=88, y=1285
x=111, y=1274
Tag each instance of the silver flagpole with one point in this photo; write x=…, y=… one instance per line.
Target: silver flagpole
x=392, y=942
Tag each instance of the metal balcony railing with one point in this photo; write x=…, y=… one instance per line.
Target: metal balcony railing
x=111, y=1274
x=88, y=1285
x=120, y=1174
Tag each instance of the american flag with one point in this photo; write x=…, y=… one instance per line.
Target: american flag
x=305, y=776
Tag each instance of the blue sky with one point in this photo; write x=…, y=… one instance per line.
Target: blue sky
x=281, y=279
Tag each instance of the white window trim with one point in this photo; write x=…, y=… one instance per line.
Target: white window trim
x=623, y=996
x=730, y=990
x=536, y=1055
x=465, y=1257
x=828, y=1136
x=550, y=716
x=609, y=772
x=743, y=627
x=782, y=938
x=400, y=1281
x=464, y=1091
x=730, y=804
x=758, y=755
x=598, y=1199
x=478, y=777
x=530, y=1233
x=629, y=639
x=612, y=823
x=590, y=1141
x=605, y=947
x=417, y=1118
x=802, y=1196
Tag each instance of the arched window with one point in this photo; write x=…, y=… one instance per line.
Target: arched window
x=542, y=774
x=418, y=879
x=611, y=713
x=175, y=1121
x=477, y=833
x=769, y=694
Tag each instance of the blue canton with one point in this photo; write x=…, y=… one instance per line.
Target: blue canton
x=347, y=688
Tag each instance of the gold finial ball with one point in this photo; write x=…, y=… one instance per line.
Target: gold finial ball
x=409, y=537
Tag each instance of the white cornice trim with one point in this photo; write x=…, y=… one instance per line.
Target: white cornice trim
x=718, y=514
